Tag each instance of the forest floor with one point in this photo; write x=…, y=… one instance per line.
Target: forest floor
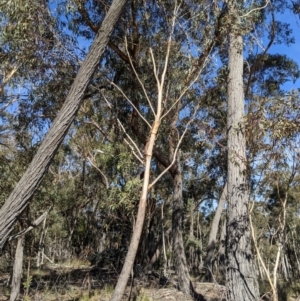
x=78, y=281
x=69, y=282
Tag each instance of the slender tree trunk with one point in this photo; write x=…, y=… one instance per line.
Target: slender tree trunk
x=40, y=254
x=222, y=256
x=199, y=237
x=191, y=258
x=295, y=252
x=26, y=187
x=177, y=229
x=164, y=240
x=134, y=243
x=240, y=273
x=148, y=152
x=211, y=245
x=17, y=269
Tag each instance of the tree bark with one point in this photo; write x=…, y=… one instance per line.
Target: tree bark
x=222, y=247
x=41, y=248
x=135, y=239
x=213, y=232
x=240, y=273
x=17, y=269
x=177, y=229
x=31, y=179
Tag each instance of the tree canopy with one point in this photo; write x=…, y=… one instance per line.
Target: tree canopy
x=128, y=119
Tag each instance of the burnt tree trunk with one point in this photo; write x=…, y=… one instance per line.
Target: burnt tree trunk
x=31, y=179
x=241, y=279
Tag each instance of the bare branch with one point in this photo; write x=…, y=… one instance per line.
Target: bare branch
x=254, y=9
x=138, y=78
x=133, y=151
x=176, y=149
x=186, y=89
x=154, y=66
x=135, y=108
x=125, y=132
x=97, y=126
x=8, y=77
x=99, y=170
x=33, y=225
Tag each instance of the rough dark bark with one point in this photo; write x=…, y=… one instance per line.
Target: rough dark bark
x=180, y=262
x=240, y=270
x=31, y=179
x=211, y=245
x=17, y=269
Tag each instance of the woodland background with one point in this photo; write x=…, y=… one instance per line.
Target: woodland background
x=173, y=55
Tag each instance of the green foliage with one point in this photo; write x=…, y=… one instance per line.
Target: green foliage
x=27, y=283
x=94, y=182
x=192, y=242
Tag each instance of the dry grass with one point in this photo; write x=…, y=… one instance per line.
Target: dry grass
x=75, y=280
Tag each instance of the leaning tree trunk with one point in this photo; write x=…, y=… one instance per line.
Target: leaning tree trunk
x=137, y=231
x=26, y=187
x=240, y=271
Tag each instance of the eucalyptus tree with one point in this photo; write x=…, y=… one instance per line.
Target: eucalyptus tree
x=142, y=28
x=26, y=187
x=32, y=49
x=275, y=180
x=241, y=279
x=121, y=106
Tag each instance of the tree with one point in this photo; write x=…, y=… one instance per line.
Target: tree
x=211, y=244
x=161, y=104
x=240, y=271
x=275, y=177
x=134, y=59
x=95, y=180
x=26, y=187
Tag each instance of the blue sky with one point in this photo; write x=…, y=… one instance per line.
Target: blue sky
x=292, y=51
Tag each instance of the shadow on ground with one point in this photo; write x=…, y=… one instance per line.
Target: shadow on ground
x=84, y=283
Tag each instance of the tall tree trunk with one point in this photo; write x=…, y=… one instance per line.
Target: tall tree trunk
x=211, y=245
x=180, y=261
x=17, y=269
x=26, y=187
x=240, y=273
